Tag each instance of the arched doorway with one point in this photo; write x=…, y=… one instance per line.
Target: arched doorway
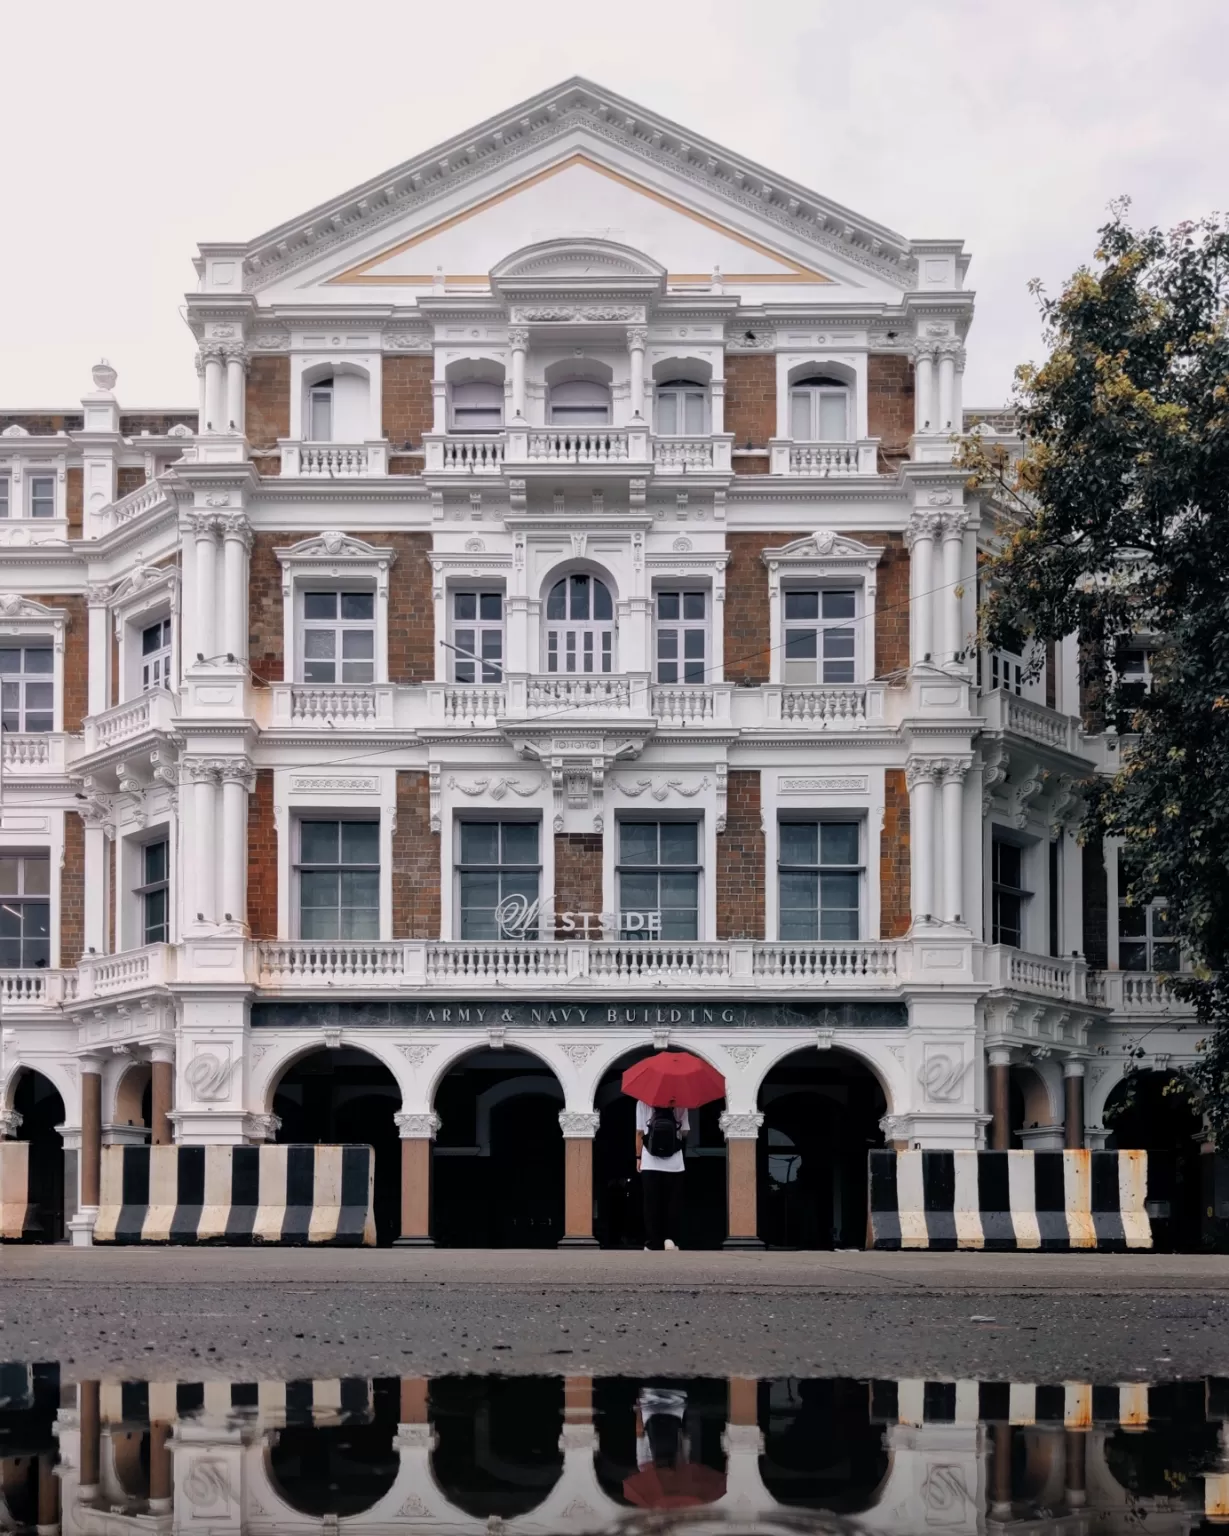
x=620, y=1211
x=821, y=1117
x=1153, y=1111
x=42, y=1111
x=822, y=1448
x=346, y=1095
x=339, y=1469
x=497, y=1442
x=497, y=1160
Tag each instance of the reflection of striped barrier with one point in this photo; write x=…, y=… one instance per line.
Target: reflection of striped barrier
x=1061, y=1405
x=237, y=1195
x=266, y=1404
x=1054, y=1201
x=15, y=1209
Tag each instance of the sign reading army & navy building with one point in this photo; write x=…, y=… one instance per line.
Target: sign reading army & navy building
x=877, y=1014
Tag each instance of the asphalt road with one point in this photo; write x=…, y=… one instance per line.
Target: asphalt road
x=260, y=1314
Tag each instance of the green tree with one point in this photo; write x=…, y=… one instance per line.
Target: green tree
x=1115, y=525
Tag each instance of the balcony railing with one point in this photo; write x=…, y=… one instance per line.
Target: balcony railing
x=693, y=455
x=486, y=453
x=1135, y=993
x=468, y=453
x=1042, y=975
x=152, y=711
x=32, y=752
x=580, y=696
x=680, y=704
x=132, y=970
x=308, y=705
x=137, y=503
x=334, y=461
x=34, y=989
x=580, y=445
x=1008, y=712
x=827, y=706
x=823, y=461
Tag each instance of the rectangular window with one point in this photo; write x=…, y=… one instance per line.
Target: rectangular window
x=477, y=632
x=819, y=880
x=497, y=862
x=5, y=483
x=338, y=635
x=682, y=637
x=820, y=635
x=819, y=415
x=154, y=894
x=320, y=409
x=1008, y=896
x=659, y=877
x=156, y=656
x=25, y=911
x=1145, y=939
x=42, y=496
x=1134, y=669
x=27, y=689
x=339, y=879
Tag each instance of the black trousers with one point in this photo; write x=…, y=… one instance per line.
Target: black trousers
x=663, y=1207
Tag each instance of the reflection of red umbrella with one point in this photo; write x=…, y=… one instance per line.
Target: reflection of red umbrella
x=674, y=1487
x=674, y=1080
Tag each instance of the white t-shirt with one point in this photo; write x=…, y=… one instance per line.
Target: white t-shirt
x=649, y=1163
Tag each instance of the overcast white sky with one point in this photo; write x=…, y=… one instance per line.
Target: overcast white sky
x=131, y=131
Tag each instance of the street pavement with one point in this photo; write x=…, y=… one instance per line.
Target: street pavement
x=249, y=1314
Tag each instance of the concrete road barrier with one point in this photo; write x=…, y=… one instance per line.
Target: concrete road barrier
x=291, y=1195
x=15, y=1210
x=1009, y=1201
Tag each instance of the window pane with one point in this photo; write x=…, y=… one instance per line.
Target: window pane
x=556, y=602
x=693, y=644
x=667, y=605
x=319, y=672
x=480, y=842
x=1160, y=922
x=360, y=888
x=358, y=644
x=318, y=643
x=638, y=842
x=668, y=644
x=838, y=644
x=798, y=926
x=799, y=842
x=1133, y=957
x=37, y=659
x=602, y=608
x=800, y=414
x=839, y=927
x=155, y=862
x=840, y=842
x=693, y=605
x=838, y=605
x=360, y=842
x=667, y=413
x=492, y=606
x=465, y=605
x=1007, y=865
x=578, y=593
x=36, y=876
x=679, y=842
x=667, y=671
x=638, y=893
x=320, y=605
x=1132, y=921
x=360, y=923
x=802, y=605
x=1164, y=957
x=358, y=605
x=694, y=413
x=799, y=890
x=520, y=842
x=832, y=418
x=801, y=644
x=318, y=842
x=492, y=644
x=40, y=695
x=839, y=891
x=318, y=888
x=9, y=876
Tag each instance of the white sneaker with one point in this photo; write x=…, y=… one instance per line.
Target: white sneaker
x=671, y=1245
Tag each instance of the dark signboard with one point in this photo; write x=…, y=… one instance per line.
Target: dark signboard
x=579, y=1015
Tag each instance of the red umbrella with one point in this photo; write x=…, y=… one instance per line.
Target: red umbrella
x=674, y=1080
x=674, y=1487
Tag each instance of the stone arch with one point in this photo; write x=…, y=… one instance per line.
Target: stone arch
x=579, y=566
x=284, y=1054
x=129, y=1097
x=874, y=1055
x=64, y=1079
x=346, y=1470
x=497, y=1450
x=35, y=1097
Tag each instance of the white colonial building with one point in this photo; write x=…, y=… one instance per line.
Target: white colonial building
x=568, y=517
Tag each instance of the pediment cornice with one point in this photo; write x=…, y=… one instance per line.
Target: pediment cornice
x=535, y=124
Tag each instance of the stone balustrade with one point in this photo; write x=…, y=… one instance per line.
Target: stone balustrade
x=149, y=712
x=1017, y=716
x=823, y=460
x=334, y=461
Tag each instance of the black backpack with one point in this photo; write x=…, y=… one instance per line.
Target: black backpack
x=663, y=1138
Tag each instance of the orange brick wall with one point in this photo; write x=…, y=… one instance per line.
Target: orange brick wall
x=72, y=891
x=740, y=860
x=74, y=500
x=889, y=381
x=406, y=393
x=750, y=400
x=895, y=900
x=262, y=858
x=411, y=613
x=578, y=872
x=416, y=861
x=76, y=654
x=267, y=401
x=128, y=478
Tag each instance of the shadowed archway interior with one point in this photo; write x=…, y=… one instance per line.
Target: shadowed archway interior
x=41, y=1109
x=822, y=1446
x=497, y=1451
x=1152, y=1111
x=338, y=1469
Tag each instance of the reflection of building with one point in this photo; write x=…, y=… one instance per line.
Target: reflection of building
x=497, y=559
x=552, y=1455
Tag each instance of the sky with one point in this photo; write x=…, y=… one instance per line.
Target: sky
x=132, y=131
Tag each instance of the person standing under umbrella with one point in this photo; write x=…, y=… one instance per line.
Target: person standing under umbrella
x=659, y=1162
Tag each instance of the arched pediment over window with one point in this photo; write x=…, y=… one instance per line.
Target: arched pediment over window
x=554, y=266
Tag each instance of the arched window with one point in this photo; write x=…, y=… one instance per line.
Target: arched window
x=579, y=626
x=320, y=411
x=819, y=410
x=681, y=407
x=478, y=406
x=580, y=403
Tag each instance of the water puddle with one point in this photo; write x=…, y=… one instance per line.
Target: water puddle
x=578, y=1454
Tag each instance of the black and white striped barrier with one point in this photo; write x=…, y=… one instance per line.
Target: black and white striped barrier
x=1009, y=1201
x=16, y=1212
x=236, y=1195
x=1067, y=1404
x=323, y=1403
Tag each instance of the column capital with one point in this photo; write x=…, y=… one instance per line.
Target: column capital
x=953, y=523
x=579, y=1125
x=414, y=1127
x=952, y=769
x=199, y=770
x=236, y=769
x=518, y=337
x=91, y=1066
x=924, y=525
x=163, y=1051
x=235, y=525
x=203, y=525
x=922, y=770
x=741, y=1127
x=637, y=338
x=10, y=1123
x=1073, y=1066
x=1000, y=1055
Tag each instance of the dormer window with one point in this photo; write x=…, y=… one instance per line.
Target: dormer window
x=320, y=412
x=819, y=410
x=580, y=403
x=478, y=406
x=681, y=407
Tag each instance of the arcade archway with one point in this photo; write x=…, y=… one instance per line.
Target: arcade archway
x=41, y=1109
x=821, y=1117
x=620, y=1212
x=334, y=1096
x=1153, y=1111
x=498, y=1159
x=822, y=1448
x=497, y=1442
x=339, y=1469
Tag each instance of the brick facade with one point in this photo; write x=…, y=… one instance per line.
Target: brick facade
x=267, y=401
x=895, y=894
x=748, y=615
x=889, y=405
x=750, y=401
x=74, y=502
x=406, y=394
x=72, y=891
x=416, y=861
x=578, y=873
x=740, y=860
x=411, y=611
x=76, y=654
x=262, y=858
x=128, y=478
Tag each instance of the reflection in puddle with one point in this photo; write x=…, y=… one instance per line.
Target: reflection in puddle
x=555, y=1454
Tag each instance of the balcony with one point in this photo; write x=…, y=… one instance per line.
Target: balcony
x=333, y=461
x=1054, y=976
x=33, y=753
x=1137, y=994
x=148, y=714
x=463, y=453
x=132, y=970
x=582, y=696
x=34, y=989
x=1037, y=724
x=824, y=707
x=146, y=498
x=308, y=706
x=393, y=965
x=823, y=461
x=700, y=455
